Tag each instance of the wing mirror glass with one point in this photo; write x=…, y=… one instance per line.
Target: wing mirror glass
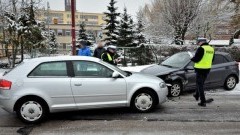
x=115, y=74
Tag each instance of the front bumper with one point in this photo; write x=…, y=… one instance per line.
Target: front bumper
x=162, y=95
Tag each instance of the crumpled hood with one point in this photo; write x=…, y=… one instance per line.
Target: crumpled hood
x=140, y=77
x=135, y=68
x=158, y=70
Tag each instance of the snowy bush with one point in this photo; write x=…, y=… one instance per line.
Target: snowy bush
x=168, y=50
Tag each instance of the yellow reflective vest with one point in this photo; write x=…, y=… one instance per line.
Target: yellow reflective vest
x=206, y=61
x=109, y=57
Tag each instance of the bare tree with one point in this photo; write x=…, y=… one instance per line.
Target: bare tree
x=179, y=14
x=171, y=18
x=155, y=27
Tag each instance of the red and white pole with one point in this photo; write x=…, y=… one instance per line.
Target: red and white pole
x=73, y=27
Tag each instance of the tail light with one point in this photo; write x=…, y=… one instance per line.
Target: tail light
x=5, y=84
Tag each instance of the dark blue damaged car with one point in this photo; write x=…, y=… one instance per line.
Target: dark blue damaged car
x=178, y=72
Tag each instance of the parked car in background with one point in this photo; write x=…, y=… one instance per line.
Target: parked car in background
x=236, y=42
x=178, y=72
x=45, y=85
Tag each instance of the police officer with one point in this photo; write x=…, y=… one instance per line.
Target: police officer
x=203, y=62
x=99, y=50
x=110, y=55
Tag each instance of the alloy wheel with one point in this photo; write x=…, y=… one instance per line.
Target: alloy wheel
x=175, y=90
x=231, y=82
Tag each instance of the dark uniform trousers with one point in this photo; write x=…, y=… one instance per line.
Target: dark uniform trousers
x=201, y=76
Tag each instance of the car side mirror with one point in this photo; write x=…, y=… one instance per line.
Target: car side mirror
x=189, y=68
x=115, y=74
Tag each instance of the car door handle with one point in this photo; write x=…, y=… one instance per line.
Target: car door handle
x=78, y=84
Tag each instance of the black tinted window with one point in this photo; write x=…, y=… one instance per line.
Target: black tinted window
x=219, y=59
x=91, y=69
x=229, y=58
x=50, y=69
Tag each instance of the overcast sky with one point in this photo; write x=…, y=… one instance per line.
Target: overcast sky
x=99, y=6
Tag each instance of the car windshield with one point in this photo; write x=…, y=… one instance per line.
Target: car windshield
x=116, y=68
x=177, y=60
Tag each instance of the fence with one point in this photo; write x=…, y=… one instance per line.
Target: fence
x=130, y=56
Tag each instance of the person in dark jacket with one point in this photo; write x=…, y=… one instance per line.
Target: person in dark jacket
x=99, y=50
x=110, y=56
x=203, y=62
x=84, y=50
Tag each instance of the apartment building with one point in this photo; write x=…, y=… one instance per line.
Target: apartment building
x=60, y=22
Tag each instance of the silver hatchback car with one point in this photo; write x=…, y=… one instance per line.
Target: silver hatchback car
x=45, y=85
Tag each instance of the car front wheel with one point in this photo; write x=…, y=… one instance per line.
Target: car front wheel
x=175, y=90
x=230, y=83
x=144, y=101
x=31, y=111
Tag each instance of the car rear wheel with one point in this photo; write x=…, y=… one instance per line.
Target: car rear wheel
x=230, y=82
x=31, y=111
x=144, y=101
x=175, y=90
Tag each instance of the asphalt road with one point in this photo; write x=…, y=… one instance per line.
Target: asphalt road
x=178, y=116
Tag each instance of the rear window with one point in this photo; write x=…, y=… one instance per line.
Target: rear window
x=229, y=58
x=50, y=69
x=219, y=59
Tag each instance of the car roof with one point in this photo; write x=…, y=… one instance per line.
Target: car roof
x=62, y=58
x=217, y=52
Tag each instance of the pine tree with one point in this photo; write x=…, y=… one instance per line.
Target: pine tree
x=52, y=41
x=112, y=23
x=126, y=34
x=143, y=53
x=139, y=37
x=82, y=36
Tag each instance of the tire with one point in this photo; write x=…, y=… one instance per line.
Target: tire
x=175, y=90
x=144, y=101
x=31, y=110
x=230, y=82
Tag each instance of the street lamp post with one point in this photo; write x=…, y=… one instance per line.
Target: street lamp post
x=48, y=19
x=73, y=27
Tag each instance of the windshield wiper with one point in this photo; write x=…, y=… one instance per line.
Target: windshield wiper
x=167, y=65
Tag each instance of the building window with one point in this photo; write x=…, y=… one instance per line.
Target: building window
x=64, y=46
x=60, y=32
x=68, y=15
x=76, y=32
x=68, y=33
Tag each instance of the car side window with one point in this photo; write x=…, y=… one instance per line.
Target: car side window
x=50, y=69
x=87, y=69
x=219, y=59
